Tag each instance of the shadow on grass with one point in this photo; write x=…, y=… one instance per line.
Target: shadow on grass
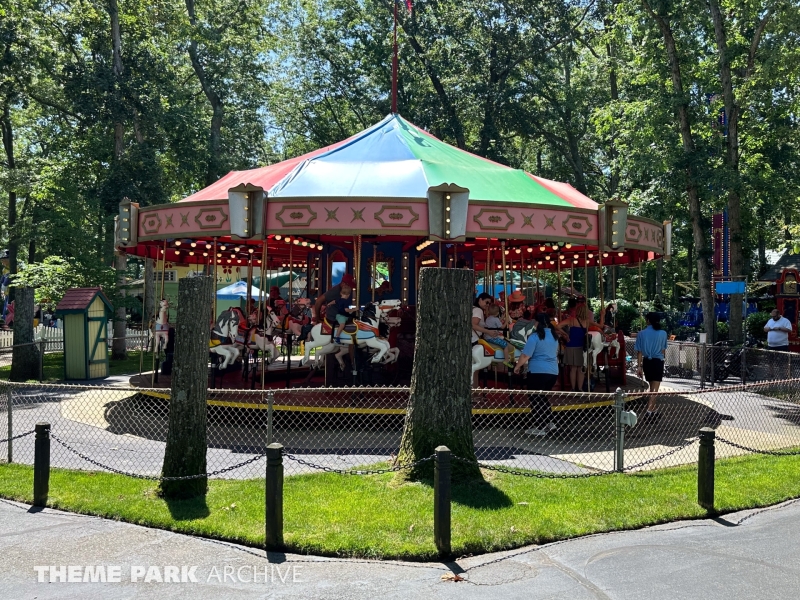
x=476, y=493
x=188, y=509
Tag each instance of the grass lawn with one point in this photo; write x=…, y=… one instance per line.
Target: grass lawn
x=54, y=365
x=370, y=516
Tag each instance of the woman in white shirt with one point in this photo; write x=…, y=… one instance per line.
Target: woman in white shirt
x=482, y=303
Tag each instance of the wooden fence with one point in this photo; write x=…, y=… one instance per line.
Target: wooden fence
x=134, y=338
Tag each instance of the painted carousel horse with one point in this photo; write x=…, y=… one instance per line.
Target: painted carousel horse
x=363, y=331
x=484, y=353
x=292, y=320
x=261, y=339
x=162, y=325
x=597, y=343
x=393, y=353
x=223, y=338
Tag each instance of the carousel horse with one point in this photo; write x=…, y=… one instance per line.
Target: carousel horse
x=598, y=341
x=223, y=337
x=261, y=339
x=162, y=325
x=364, y=332
x=484, y=353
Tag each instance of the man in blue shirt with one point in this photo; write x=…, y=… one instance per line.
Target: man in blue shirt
x=651, y=350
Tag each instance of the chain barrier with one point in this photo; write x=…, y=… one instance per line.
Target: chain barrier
x=16, y=437
x=534, y=474
x=662, y=456
x=151, y=477
x=392, y=469
x=755, y=450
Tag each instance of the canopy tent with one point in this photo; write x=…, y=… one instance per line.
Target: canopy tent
x=236, y=291
x=276, y=279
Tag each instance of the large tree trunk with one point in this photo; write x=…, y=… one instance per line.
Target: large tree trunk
x=699, y=228
x=440, y=407
x=24, y=359
x=185, y=453
x=118, y=346
x=8, y=146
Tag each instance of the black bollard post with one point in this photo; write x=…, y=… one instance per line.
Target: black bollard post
x=274, y=525
x=41, y=465
x=441, y=500
x=705, y=469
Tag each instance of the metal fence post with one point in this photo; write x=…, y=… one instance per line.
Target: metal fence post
x=705, y=469
x=270, y=401
x=619, y=448
x=441, y=500
x=10, y=404
x=41, y=465
x=744, y=362
x=274, y=510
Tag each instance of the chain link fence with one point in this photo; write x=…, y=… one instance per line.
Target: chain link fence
x=358, y=430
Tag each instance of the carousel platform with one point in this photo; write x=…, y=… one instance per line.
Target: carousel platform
x=304, y=391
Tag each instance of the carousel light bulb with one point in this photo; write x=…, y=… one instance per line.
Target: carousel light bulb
x=287, y=240
x=552, y=262
x=530, y=248
x=177, y=242
x=568, y=246
x=448, y=209
x=162, y=252
x=239, y=261
x=555, y=246
x=191, y=253
x=575, y=261
x=250, y=250
x=447, y=220
x=283, y=265
x=222, y=248
x=447, y=197
x=605, y=254
x=237, y=248
x=542, y=248
x=576, y=256
x=620, y=254
x=305, y=243
x=177, y=251
x=547, y=257
x=518, y=250
x=193, y=244
x=229, y=261
x=591, y=255
x=447, y=232
x=296, y=242
x=219, y=255
x=539, y=262
x=506, y=251
x=319, y=247
x=208, y=246
x=278, y=237
x=205, y=253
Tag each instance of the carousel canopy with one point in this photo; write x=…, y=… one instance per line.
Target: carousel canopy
x=396, y=159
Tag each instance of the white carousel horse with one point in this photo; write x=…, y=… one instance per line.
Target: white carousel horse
x=598, y=343
x=162, y=325
x=223, y=338
x=365, y=333
x=257, y=341
x=484, y=353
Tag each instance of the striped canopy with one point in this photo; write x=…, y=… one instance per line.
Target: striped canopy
x=396, y=159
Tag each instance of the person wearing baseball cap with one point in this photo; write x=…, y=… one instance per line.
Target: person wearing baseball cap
x=333, y=294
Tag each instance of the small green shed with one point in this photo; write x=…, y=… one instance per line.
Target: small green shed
x=86, y=313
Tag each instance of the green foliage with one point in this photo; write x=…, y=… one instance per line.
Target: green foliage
x=755, y=324
x=508, y=512
x=52, y=277
x=723, y=331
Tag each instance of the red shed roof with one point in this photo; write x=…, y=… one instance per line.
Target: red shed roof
x=80, y=299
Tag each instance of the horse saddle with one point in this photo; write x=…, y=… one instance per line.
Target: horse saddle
x=327, y=329
x=488, y=349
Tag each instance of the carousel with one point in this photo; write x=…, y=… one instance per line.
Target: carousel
x=377, y=207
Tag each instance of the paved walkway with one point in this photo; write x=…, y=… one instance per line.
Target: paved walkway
x=752, y=554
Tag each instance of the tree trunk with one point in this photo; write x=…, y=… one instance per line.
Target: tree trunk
x=440, y=407
x=24, y=359
x=8, y=146
x=681, y=105
x=185, y=453
x=118, y=346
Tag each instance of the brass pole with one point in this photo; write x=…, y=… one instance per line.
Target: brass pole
x=157, y=307
x=214, y=288
x=600, y=273
x=144, y=305
x=572, y=278
x=291, y=274
x=586, y=273
x=249, y=281
x=262, y=312
x=505, y=285
x=358, y=271
x=558, y=292
x=374, y=268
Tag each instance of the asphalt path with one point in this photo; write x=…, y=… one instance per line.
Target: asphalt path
x=751, y=554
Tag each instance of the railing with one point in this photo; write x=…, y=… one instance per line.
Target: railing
x=347, y=429
x=135, y=338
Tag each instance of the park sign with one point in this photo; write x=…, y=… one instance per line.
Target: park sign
x=730, y=287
